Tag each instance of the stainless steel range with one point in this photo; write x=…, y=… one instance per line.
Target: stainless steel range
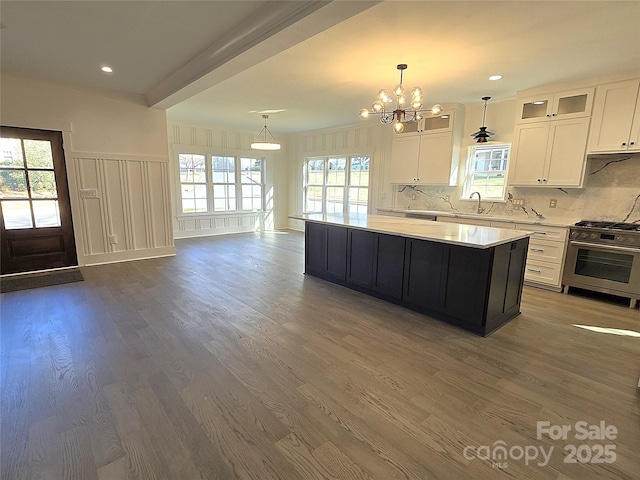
x=604, y=257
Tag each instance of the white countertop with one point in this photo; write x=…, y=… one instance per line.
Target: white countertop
x=560, y=222
x=452, y=233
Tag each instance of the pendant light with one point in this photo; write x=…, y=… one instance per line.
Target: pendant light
x=262, y=142
x=482, y=135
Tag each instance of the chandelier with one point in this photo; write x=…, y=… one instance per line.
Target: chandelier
x=404, y=112
x=262, y=142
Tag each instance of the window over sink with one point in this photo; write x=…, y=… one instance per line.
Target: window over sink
x=486, y=171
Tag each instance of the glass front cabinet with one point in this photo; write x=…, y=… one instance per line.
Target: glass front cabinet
x=555, y=106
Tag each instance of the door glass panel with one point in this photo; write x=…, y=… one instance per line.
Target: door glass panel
x=11, y=153
x=38, y=154
x=16, y=214
x=46, y=213
x=606, y=265
x=535, y=109
x=575, y=104
x=42, y=184
x=13, y=184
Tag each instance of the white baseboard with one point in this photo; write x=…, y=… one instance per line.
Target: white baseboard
x=127, y=256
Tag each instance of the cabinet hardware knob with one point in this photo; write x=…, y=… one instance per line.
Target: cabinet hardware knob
x=539, y=250
x=632, y=143
x=553, y=114
x=532, y=270
x=540, y=233
x=624, y=143
x=548, y=115
x=539, y=180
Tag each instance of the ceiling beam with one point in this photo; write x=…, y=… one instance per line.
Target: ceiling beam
x=272, y=29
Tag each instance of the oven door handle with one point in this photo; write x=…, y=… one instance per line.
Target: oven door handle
x=604, y=247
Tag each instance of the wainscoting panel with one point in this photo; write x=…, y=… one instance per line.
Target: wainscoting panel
x=217, y=224
x=129, y=216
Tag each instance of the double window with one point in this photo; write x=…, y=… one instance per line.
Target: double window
x=337, y=184
x=212, y=183
x=487, y=171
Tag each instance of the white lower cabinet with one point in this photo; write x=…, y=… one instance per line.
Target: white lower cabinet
x=545, y=258
x=542, y=273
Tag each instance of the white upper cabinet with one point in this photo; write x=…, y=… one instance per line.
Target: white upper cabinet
x=550, y=139
x=555, y=106
x=616, y=118
x=430, y=153
x=404, y=158
x=549, y=154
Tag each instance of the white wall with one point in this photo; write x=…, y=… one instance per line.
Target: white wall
x=112, y=143
x=187, y=138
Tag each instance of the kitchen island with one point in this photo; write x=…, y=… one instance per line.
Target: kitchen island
x=465, y=275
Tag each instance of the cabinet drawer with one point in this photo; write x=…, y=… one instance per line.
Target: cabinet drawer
x=546, y=250
x=543, y=272
x=558, y=234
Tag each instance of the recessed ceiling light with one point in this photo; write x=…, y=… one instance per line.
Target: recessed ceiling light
x=538, y=102
x=106, y=69
x=495, y=77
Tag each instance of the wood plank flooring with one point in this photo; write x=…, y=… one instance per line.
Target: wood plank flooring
x=226, y=362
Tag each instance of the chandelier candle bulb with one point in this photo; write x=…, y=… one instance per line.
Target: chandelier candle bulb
x=401, y=114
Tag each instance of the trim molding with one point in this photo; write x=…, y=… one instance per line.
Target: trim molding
x=125, y=256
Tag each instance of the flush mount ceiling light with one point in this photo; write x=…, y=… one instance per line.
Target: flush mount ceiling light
x=262, y=142
x=401, y=114
x=482, y=135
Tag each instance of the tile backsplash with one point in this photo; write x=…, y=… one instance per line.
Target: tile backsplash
x=611, y=192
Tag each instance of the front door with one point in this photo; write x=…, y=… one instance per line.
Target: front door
x=35, y=212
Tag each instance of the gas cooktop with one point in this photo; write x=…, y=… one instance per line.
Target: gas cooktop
x=609, y=225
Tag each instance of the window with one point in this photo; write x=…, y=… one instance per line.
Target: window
x=336, y=184
x=222, y=184
x=193, y=183
x=487, y=171
x=251, y=182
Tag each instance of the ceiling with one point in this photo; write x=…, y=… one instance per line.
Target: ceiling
x=220, y=62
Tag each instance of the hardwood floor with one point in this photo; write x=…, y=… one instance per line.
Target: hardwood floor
x=226, y=362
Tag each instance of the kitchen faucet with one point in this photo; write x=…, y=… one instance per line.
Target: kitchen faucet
x=480, y=209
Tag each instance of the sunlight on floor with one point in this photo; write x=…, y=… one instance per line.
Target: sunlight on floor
x=613, y=331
